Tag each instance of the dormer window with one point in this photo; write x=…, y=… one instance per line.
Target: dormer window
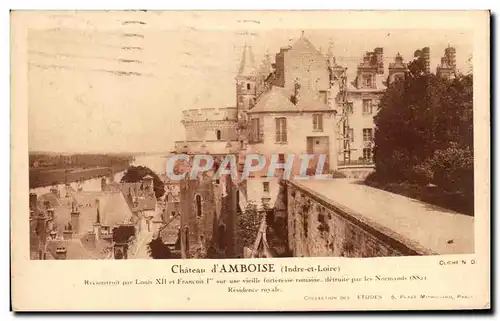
x=368, y=81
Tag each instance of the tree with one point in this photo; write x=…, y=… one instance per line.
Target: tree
x=136, y=173
x=159, y=250
x=249, y=224
x=418, y=116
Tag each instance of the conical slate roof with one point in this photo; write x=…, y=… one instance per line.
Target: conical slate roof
x=247, y=65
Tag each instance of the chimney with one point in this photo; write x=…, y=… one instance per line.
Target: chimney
x=379, y=60
x=53, y=235
x=103, y=184
x=67, y=235
x=50, y=212
x=75, y=220
x=33, y=200
x=41, y=226
x=426, y=56
x=61, y=253
x=90, y=239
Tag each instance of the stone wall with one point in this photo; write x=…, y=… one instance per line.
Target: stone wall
x=216, y=226
x=317, y=227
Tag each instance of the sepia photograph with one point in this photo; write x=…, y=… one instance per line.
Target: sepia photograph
x=158, y=135
x=391, y=114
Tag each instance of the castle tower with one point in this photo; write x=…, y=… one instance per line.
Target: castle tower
x=246, y=82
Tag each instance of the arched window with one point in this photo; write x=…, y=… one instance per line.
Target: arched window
x=198, y=205
x=248, y=86
x=218, y=133
x=222, y=236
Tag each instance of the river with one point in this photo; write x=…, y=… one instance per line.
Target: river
x=154, y=162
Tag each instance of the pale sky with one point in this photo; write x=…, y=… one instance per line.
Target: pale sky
x=90, y=91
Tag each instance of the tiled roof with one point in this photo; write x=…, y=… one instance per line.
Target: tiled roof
x=275, y=100
x=74, y=250
x=170, y=232
x=51, y=198
x=114, y=209
x=306, y=103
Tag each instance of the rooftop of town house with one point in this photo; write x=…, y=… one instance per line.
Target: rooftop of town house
x=113, y=209
x=171, y=231
x=407, y=220
x=51, y=198
x=138, y=193
x=74, y=250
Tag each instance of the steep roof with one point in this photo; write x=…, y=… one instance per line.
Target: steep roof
x=113, y=209
x=275, y=100
x=304, y=45
x=74, y=250
x=309, y=103
x=247, y=64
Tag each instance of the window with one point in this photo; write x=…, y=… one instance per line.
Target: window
x=322, y=96
x=265, y=186
x=281, y=130
x=218, y=134
x=251, y=103
x=350, y=107
x=367, y=106
x=172, y=214
x=367, y=134
x=367, y=154
x=255, y=137
x=318, y=122
x=198, y=205
x=248, y=86
x=367, y=81
x=351, y=135
x=281, y=158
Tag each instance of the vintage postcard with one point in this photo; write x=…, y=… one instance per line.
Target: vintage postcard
x=250, y=160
